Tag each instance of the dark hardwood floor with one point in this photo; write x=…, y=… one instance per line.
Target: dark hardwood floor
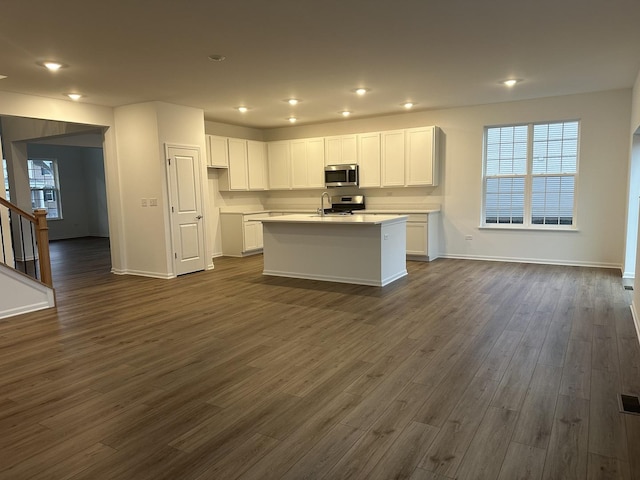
x=463, y=369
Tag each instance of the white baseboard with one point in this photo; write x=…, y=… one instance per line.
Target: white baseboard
x=24, y=309
x=141, y=273
x=567, y=263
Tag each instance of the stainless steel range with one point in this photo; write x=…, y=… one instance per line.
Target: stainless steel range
x=346, y=204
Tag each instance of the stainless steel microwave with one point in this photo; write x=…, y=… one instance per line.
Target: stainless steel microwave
x=341, y=175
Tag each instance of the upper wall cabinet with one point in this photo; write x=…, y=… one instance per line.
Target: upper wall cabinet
x=257, y=165
x=410, y=157
x=392, y=157
x=247, y=166
x=369, y=159
x=217, y=153
x=422, y=156
x=279, y=162
x=340, y=150
x=307, y=163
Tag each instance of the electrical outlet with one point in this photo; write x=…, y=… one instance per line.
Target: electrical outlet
x=468, y=237
x=143, y=202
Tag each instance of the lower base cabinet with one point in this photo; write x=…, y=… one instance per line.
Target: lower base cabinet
x=241, y=233
x=422, y=237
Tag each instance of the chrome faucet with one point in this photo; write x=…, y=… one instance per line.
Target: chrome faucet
x=322, y=202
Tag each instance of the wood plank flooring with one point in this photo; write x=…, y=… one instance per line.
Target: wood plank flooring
x=462, y=369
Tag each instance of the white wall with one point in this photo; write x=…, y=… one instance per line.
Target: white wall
x=635, y=128
x=142, y=132
x=601, y=185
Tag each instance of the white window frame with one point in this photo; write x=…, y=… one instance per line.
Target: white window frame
x=528, y=182
x=56, y=190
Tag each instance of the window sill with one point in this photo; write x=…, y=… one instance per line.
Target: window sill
x=529, y=229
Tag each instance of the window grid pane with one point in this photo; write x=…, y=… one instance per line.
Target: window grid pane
x=555, y=148
x=552, y=200
x=504, y=200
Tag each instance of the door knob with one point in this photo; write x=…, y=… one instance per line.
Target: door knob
x=198, y=217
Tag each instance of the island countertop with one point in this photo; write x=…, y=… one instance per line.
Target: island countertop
x=355, y=219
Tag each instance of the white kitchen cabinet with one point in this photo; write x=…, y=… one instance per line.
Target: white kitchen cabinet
x=422, y=236
x=369, y=159
x=217, y=152
x=279, y=163
x=422, y=154
x=392, y=158
x=307, y=163
x=247, y=166
x=241, y=233
x=257, y=165
x=342, y=149
x=237, y=176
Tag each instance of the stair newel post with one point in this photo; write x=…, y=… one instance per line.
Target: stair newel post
x=42, y=233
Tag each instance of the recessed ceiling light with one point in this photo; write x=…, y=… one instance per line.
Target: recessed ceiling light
x=292, y=101
x=408, y=105
x=74, y=96
x=2, y=77
x=345, y=113
x=292, y=119
x=242, y=109
x=52, y=66
x=511, y=82
x=216, y=58
x=362, y=90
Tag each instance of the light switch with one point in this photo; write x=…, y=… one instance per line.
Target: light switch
x=143, y=202
x=153, y=202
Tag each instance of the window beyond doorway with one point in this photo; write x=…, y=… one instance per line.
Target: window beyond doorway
x=6, y=180
x=529, y=175
x=45, y=186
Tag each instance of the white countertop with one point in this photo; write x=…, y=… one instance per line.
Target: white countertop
x=376, y=211
x=355, y=219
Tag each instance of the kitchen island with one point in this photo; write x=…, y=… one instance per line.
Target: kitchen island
x=361, y=249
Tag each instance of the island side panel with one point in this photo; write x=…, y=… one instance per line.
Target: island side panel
x=347, y=253
x=394, y=251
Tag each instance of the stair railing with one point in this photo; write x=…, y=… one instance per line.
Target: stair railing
x=24, y=244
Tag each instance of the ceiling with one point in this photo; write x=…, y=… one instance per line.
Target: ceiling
x=437, y=54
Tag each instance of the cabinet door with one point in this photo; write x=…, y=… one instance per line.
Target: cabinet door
x=257, y=165
x=416, y=238
x=299, y=168
x=393, y=158
x=369, y=159
x=250, y=235
x=218, y=154
x=238, y=179
x=349, y=149
x=420, y=156
x=315, y=163
x=279, y=160
x=341, y=149
x=333, y=150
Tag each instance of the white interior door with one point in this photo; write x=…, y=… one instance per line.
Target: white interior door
x=186, y=209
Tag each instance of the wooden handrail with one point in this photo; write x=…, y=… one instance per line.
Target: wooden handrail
x=18, y=210
x=39, y=220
